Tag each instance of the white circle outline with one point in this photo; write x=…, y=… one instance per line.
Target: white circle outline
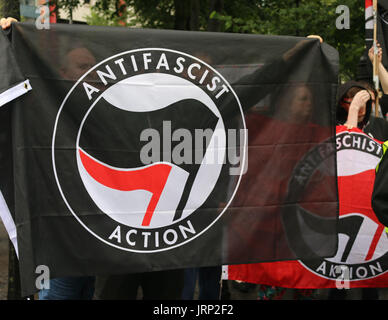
x=55, y=130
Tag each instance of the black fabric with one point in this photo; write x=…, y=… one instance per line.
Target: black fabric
x=384, y=104
x=96, y=89
x=380, y=191
x=161, y=285
x=377, y=128
x=11, y=75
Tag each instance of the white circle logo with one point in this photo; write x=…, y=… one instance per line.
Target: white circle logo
x=140, y=149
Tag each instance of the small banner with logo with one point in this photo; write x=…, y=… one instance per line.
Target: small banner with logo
x=146, y=150
x=361, y=259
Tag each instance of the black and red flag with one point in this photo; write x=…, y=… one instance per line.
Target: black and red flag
x=145, y=150
x=361, y=258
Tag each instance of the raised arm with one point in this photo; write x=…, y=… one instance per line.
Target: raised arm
x=357, y=109
x=383, y=73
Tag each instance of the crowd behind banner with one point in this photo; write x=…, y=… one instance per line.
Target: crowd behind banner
x=360, y=261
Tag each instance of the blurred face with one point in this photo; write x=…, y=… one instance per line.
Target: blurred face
x=78, y=61
x=346, y=102
x=301, y=104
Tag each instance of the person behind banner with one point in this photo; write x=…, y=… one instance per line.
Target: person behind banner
x=354, y=106
x=377, y=127
x=289, y=121
x=382, y=72
x=356, y=100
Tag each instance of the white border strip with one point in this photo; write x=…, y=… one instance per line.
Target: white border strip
x=15, y=92
x=369, y=15
x=225, y=272
x=5, y=216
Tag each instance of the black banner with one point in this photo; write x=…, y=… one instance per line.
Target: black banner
x=145, y=150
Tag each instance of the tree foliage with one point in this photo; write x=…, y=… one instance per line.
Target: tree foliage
x=163, y=14
x=275, y=17
x=10, y=8
x=67, y=5
x=301, y=18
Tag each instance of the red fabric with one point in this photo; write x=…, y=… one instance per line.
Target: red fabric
x=355, y=199
x=275, y=148
x=53, y=15
x=152, y=178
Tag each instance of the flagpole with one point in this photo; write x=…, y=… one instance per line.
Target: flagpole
x=375, y=59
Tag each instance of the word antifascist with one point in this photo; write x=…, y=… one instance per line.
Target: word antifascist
x=359, y=142
x=158, y=61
